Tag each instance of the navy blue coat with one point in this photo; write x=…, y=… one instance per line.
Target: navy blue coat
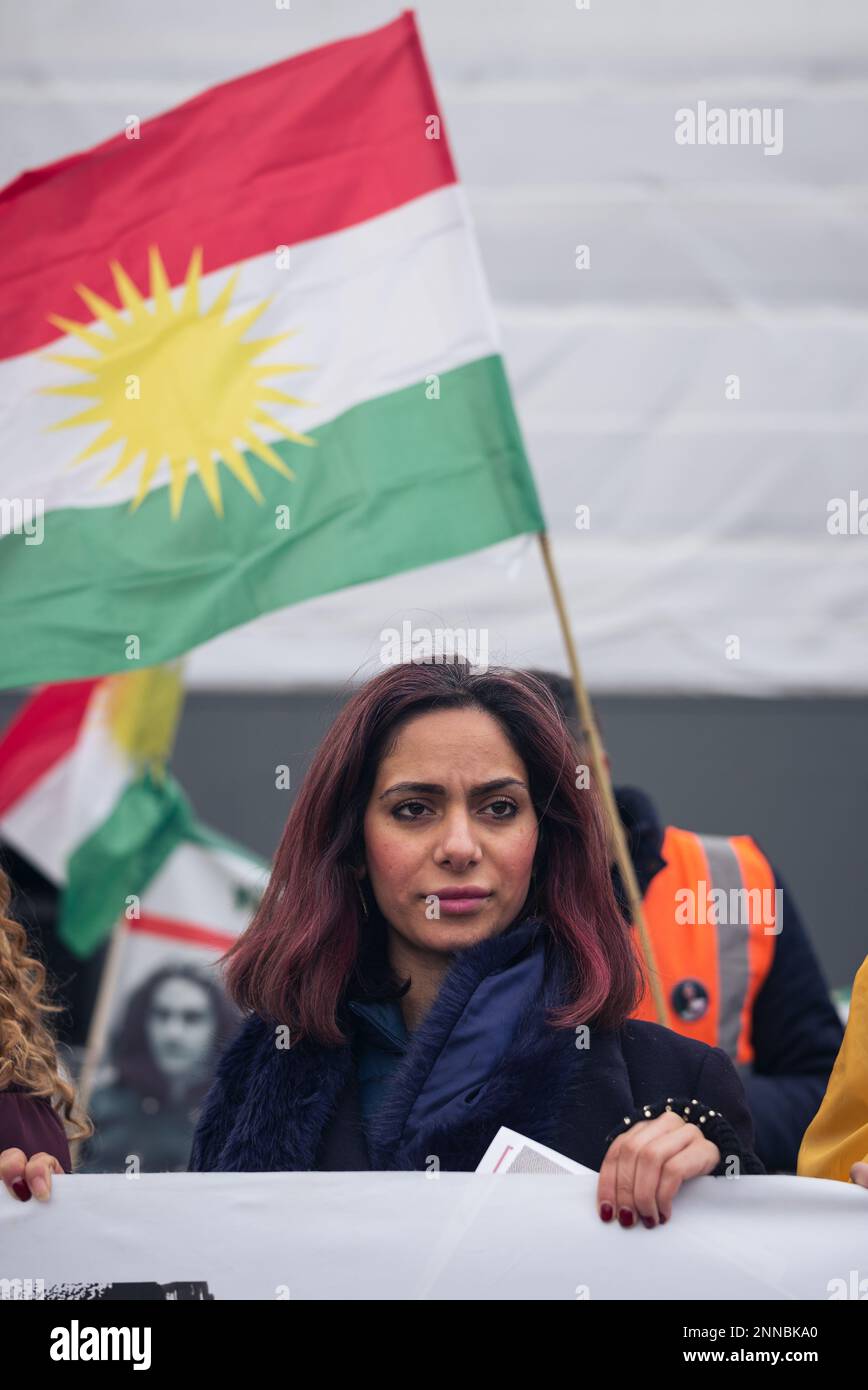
x=484, y=1056
x=796, y=1031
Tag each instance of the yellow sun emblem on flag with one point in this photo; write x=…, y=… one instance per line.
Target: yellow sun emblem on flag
x=175, y=382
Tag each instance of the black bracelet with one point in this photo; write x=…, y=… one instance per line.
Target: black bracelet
x=714, y=1126
x=677, y=1104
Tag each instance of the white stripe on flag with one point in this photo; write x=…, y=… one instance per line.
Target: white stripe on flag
x=377, y=308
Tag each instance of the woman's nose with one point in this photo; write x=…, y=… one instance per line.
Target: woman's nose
x=458, y=842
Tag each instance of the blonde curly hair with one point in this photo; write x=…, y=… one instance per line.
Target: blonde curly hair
x=28, y=1052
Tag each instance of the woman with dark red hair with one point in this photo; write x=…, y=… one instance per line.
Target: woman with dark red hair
x=439, y=953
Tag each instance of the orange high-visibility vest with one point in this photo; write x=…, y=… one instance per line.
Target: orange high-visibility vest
x=713, y=919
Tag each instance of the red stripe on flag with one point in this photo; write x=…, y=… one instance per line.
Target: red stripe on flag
x=42, y=732
x=156, y=925
x=309, y=146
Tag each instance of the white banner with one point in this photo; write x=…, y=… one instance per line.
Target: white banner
x=410, y=1236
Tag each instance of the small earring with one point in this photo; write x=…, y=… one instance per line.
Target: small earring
x=362, y=896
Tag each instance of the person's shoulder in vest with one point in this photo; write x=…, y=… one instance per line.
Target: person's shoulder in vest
x=796, y=1033
x=795, y=1030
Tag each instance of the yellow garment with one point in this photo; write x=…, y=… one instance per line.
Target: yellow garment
x=837, y=1137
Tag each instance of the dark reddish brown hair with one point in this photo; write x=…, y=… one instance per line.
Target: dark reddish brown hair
x=293, y=963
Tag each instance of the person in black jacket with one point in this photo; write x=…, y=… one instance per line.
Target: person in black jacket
x=795, y=1028
x=439, y=953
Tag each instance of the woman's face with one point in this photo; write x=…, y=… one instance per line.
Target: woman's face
x=450, y=831
x=180, y=1026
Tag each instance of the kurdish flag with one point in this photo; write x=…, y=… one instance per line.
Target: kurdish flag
x=84, y=797
x=250, y=359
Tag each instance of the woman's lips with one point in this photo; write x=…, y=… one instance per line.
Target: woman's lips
x=459, y=907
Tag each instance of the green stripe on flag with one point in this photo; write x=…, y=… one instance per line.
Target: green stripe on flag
x=395, y=483
x=151, y=819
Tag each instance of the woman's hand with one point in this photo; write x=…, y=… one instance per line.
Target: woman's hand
x=859, y=1173
x=28, y=1177
x=645, y=1167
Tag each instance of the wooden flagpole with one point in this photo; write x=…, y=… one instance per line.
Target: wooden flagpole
x=604, y=782
x=98, y=1031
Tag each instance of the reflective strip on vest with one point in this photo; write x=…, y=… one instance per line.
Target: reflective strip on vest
x=724, y=872
x=731, y=959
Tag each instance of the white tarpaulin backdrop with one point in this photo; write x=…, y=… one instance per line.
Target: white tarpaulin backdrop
x=708, y=515
x=459, y=1235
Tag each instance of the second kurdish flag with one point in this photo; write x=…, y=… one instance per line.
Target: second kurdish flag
x=249, y=358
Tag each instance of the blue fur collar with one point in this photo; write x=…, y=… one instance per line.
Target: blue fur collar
x=483, y=1056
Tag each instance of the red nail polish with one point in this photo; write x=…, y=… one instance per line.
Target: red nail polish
x=606, y=1212
x=649, y=1223
x=20, y=1188
x=625, y=1216
x=662, y=1220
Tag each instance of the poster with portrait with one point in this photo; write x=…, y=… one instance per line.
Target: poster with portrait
x=163, y=1016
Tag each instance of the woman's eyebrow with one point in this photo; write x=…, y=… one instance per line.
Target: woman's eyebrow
x=434, y=788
